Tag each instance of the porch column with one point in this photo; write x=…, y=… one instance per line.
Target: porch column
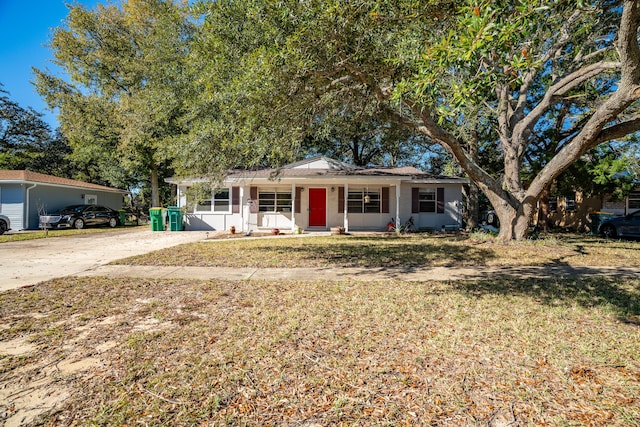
x=244, y=219
x=293, y=207
x=346, y=210
x=397, y=206
x=181, y=196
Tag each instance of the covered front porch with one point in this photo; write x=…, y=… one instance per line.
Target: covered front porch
x=313, y=207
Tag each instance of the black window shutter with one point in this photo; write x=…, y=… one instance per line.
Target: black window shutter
x=298, y=201
x=440, y=200
x=385, y=199
x=415, y=200
x=235, y=200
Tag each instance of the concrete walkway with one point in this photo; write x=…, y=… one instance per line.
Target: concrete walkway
x=362, y=274
x=27, y=262
x=24, y=263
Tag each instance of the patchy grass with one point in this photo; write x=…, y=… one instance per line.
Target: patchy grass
x=491, y=353
x=416, y=251
x=41, y=234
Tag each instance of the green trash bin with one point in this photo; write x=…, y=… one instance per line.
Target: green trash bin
x=123, y=216
x=157, y=217
x=175, y=218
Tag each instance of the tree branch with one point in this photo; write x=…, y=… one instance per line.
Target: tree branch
x=523, y=92
x=561, y=87
x=627, y=93
x=618, y=130
x=450, y=143
x=628, y=43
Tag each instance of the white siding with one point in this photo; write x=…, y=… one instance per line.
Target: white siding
x=317, y=164
x=244, y=220
x=11, y=205
x=433, y=220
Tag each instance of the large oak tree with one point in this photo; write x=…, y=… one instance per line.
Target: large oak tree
x=122, y=98
x=469, y=76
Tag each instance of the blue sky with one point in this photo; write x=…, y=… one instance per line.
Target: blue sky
x=25, y=30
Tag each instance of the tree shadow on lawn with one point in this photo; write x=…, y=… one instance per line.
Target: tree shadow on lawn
x=376, y=252
x=589, y=240
x=622, y=295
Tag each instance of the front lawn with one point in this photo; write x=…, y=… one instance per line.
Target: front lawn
x=493, y=352
x=419, y=250
x=488, y=353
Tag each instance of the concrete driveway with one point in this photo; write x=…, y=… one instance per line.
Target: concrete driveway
x=32, y=261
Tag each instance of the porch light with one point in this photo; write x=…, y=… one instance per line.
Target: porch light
x=367, y=199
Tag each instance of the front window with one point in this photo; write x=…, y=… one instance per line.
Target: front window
x=427, y=199
x=634, y=200
x=218, y=201
x=570, y=203
x=274, y=201
x=363, y=201
x=222, y=200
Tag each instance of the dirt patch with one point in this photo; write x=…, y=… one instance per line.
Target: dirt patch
x=22, y=403
x=37, y=379
x=17, y=347
x=31, y=389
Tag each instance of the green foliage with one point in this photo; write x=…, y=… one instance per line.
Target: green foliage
x=235, y=116
x=264, y=98
x=614, y=171
x=121, y=109
x=27, y=142
x=498, y=84
x=356, y=131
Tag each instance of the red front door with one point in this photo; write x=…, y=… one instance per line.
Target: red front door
x=317, y=207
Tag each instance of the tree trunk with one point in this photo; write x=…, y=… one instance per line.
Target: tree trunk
x=514, y=216
x=472, y=194
x=155, y=188
x=523, y=220
x=543, y=211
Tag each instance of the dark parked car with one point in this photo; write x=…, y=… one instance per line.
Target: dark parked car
x=5, y=224
x=624, y=226
x=80, y=216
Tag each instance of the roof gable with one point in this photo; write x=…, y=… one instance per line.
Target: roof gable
x=322, y=163
x=29, y=176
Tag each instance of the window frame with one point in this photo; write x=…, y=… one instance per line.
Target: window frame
x=282, y=201
x=356, y=197
x=427, y=190
x=211, y=202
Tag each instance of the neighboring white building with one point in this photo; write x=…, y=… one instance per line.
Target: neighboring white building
x=320, y=193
